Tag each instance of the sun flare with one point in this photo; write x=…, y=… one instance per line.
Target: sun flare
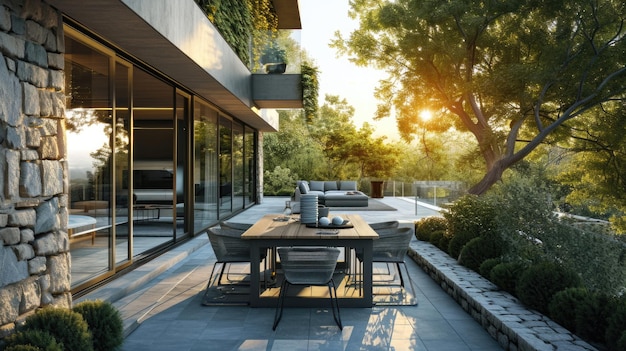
x=425, y=115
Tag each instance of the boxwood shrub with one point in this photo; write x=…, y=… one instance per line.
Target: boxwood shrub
x=38, y=339
x=506, y=275
x=541, y=281
x=563, y=305
x=105, y=324
x=66, y=326
x=426, y=226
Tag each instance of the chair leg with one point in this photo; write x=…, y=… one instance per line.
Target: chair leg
x=211, y=276
x=334, y=303
x=281, y=301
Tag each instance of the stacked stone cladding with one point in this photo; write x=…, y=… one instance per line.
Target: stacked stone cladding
x=34, y=245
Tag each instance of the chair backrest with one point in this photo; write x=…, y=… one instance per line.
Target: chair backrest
x=234, y=225
x=392, y=244
x=384, y=225
x=228, y=245
x=308, y=265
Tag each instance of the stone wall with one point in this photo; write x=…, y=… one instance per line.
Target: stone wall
x=34, y=250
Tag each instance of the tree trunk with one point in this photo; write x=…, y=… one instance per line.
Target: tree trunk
x=493, y=175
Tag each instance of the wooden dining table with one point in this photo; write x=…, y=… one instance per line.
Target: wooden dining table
x=273, y=231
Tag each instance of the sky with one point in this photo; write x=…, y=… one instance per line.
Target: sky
x=337, y=75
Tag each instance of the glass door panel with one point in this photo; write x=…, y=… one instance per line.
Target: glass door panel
x=226, y=167
x=205, y=166
x=89, y=155
x=152, y=183
x=123, y=206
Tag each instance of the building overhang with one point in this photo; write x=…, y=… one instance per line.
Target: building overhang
x=177, y=39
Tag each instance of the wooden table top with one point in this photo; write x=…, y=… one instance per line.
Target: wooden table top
x=270, y=228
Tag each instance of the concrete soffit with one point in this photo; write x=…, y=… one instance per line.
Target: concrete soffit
x=176, y=38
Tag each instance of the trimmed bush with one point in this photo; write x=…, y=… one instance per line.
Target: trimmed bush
x=563, y=305
x=468, y=218
x=592, y=316
x=37, y=339
x=66, y=326
x=506, y=274
x=105, y=324
x=477, y=250
x=487, y=266
x=435, y=237
x=426, y=226
x=539, y=283
x=23, y=348
x=616, y=324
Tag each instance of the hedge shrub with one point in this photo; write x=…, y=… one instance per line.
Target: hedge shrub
x=66, y=326
x=105, y=324
x=477, y=250
x=563, y=305
x=426, y=226
x=616, y=324
x=506, y=275
x=487, y=266
x=39, y=339
x=540, y=282
x=468, y=218
x=592, y=316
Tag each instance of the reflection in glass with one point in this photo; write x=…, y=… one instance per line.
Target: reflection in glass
x=154, y=191
x=249, y=166
x=205, y=166
x=89, y=133
x=238, y=167
x=226, y=168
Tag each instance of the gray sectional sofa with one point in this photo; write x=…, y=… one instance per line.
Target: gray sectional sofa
x=342, y=193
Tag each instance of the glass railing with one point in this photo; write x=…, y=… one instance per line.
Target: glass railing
x=276, y=52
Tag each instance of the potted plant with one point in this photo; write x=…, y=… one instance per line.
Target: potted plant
x=274, y=59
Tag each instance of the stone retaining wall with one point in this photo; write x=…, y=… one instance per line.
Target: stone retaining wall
x=34, y=250
x=505, y=318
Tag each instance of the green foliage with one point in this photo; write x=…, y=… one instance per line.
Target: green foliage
x=525, y=65
x=36, y=339
x=540, y=282
x=592, y=315
x=234, y=20
x=487, y=266
x=66, y=326
x=477, y=250
x=436, y=237
x=563, y=306
x=468, y=218
x=616, y=324
x=506, y=274
x=310, y=90
x=105, y=324
x=23, y=348
x=425, y=226
x=279, y=181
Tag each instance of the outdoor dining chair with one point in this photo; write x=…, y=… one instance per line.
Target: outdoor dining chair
x=234, y=225
x=308, y=266
x=230, y=248
x=384, y=225
x=391, y=248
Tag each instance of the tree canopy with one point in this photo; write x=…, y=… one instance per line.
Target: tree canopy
x=515, y=74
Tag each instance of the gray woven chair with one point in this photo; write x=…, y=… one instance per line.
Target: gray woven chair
x=308, y=266
x=391, y=247
x=384, y=225
x=229, y=248
x=234, y=225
